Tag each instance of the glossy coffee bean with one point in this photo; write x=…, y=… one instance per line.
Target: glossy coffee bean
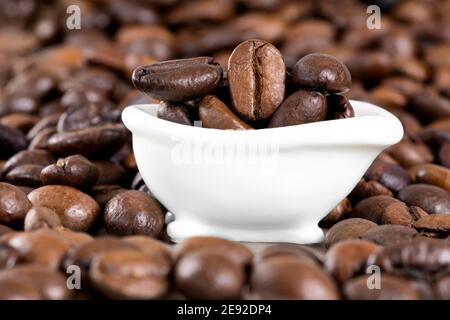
x=365, y=189
x=215, y=114
x=347, y=259
x=435, y=175
x=391, y=288
x=11, y=141
x=287, y=277
x=338, y=107
x=421, y=255
x=322, y=72
x=75, y=171
x=256, y=75
x=150, y=246
x=430, y=198
x=110, y=172
x=335, y=215
x=103, y=193
x=387, y=235
x=390, y=175
x=14, y=204
x=92, y=114
x=93, y=142
x=36, y=157
x=301, y=107
x=41, y=217
x=237, y=252
x=348, y=229
x=177, y=113
x=125, y=274
x=437, y=224
x=409, y=154
x=303, y=253
x=133, y=212
x=209, y=274
x=77, y=210
x=178, y=80
x=382, y=210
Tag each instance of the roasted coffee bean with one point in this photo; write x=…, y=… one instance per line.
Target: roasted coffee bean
x=322, y=72
x=287, y=277
x=347, y=259
x=365, y=189
x=433, y=137
x=36, y=157
x=75, y=171
x=435, y=175
x=256, y=75
x=177, y=113
x=209, y=274
x=409, y=154
x=237, y=252
x=41, y=217
x=150, y=246
x=35, y=282
x=335, y=215
x=39, y=247
x=348, y=229
x=93, y=142
x=14, y=204
x=389, y=234
x=77, y=210
x=338, y=107
x=382, y=210
x=178, y=80
x=25, y=175
x=133, y=212
x=110, y=172
x=40, y=141
x=19, y=121
x=388, y=97
x=16, y=289
x=301, y=107
x=437, y=224
x=103, y=193
x=125, y=274
x=430, y=105
x=11, y=141
x=421, y=256
x=410, y=123
x=390, y=175
x=391, y=288
x=302, y=252
x=215, y=114
x=93, y=114
x=201, y=10
x=430, y=198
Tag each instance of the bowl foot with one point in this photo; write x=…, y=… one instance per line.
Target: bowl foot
x=180, y=229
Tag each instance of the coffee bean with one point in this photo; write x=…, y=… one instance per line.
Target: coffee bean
x=301, y=107
x=75, y=171
x=322, y=72
x=41, y=217
x=287, y=277
x=338, y=107
x=421, y=256
x=40, y=141
x=201, y=10
x=133, y=212
x=391, y=288
x=35, y=282
x=365, y=189
x=347, y=259
x=14, y=204
x=430, y=104
x=256, y=75
x=335, y=215
x=409, y=154
x=150, y=246
x=209, y=274
x=302, y=252
x=387, y=235
x=430, y=198
x=236, y=252
x=92, y=114
x=11, y=141
x=93, y=142
x=125, y=274
x=36, y=157
x=435, y=175
x=348, y=229
x=25, y=175
x=19, y=121
x=103, y=193
x=215, y=114
x=438, y=224
x=444, y=154
x=177, y=113
x=38, y=247
x=382, y=210
x=390, y=175
x=77, y=210
x=178, y=80
x=110, y=172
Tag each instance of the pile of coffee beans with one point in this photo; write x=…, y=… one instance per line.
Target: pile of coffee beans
x=195, y=89
x=78, y=222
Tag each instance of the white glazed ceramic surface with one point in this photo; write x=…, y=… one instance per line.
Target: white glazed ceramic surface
x=267, y=185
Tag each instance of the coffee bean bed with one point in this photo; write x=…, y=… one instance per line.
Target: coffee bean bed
x=78, y=222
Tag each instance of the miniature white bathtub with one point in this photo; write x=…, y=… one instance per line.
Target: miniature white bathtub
x=268, y=185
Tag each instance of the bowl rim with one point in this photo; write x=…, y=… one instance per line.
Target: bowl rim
x=372, y=125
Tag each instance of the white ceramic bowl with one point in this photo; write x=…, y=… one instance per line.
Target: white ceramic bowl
x=268, y=185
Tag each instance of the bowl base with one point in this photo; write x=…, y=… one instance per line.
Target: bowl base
x=180, y=229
